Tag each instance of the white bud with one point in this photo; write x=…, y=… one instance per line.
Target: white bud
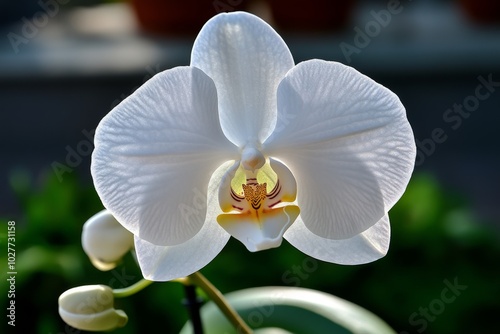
x=90, y=308
x=105, y=241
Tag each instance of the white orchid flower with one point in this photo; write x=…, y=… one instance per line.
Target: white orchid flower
x=244, y=142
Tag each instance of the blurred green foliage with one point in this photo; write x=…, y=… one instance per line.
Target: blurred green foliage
x=436, y=242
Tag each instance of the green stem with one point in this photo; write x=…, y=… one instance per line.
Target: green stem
x=193, y=304
x=201, y=281
x=131, y=290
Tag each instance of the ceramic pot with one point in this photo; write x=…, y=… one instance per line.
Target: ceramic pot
x=319, y=15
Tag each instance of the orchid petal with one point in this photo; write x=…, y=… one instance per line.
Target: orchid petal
x=366, y=247
x=347, y=140
x=246, y=59
x=155, y=153
x=164, y=263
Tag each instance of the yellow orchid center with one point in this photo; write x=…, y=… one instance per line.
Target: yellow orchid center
x=254, y=214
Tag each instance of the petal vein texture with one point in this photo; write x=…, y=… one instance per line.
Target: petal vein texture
x=348, y=142
x=246, y=59
x=155, y=153
x=164, y=263
x=365, y=247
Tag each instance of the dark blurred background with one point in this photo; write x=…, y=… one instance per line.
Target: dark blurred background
x=65, y=63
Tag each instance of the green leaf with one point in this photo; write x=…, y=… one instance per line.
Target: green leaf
x=291, y=310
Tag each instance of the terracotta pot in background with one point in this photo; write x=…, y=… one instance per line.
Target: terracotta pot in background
x=482, y=11
x=176, y=17
x=319, y=15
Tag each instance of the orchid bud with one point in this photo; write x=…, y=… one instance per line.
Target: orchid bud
x=105, y=241
x=90, y=308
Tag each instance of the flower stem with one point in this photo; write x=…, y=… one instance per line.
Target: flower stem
x=201, y=281
x=193, y=303
x=131, y=290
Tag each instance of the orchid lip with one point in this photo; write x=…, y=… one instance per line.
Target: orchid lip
x=255, y=246
x=258, y=213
